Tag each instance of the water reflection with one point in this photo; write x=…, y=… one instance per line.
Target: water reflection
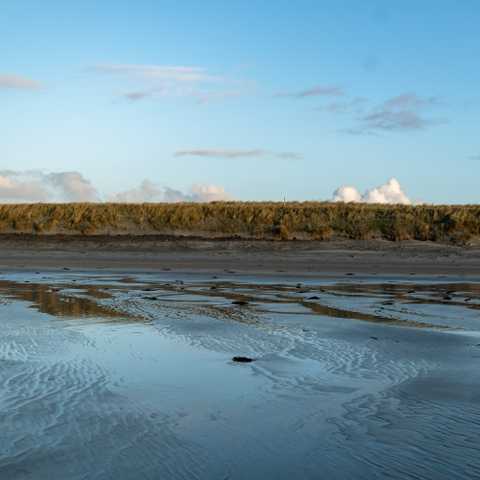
x=54, y=301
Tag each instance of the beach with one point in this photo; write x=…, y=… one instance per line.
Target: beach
x=119, y=359
x=311, y=258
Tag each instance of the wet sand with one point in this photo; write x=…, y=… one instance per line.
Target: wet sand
x=293, y=258
x=112, y=375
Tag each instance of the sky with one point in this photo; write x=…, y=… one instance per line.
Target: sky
x=248, y=100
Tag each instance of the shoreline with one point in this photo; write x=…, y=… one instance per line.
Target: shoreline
x=311, y=259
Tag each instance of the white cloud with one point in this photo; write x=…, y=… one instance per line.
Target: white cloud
x=73, y=186
x=16, y=82
x=148, y=191
x=346, y=194
x=391, y=193
x=37, y=186
x=208, y=193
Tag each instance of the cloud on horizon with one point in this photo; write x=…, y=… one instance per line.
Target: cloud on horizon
x=389, y=193
x=40, y=187
x=17, y=82
x=237, y=153
x=148, y=191
x=316, y=91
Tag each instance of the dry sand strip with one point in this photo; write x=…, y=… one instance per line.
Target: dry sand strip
x=296, y=258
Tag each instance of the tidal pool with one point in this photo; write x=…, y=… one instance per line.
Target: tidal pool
x=114, y=377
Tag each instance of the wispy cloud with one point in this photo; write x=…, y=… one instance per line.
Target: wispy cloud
x=402, y=113
x=411, y=100
x=161, y=81
x=316, y=91
x=136, y=96
x=172, y=73
x=355, y=105
x=16, y=82
x=237, y=153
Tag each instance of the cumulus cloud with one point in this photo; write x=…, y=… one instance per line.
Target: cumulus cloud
x=346, y=194
x=391, y=192
x=148, y=191
x=316, y=91
x=73, y=186
x=16, y=82
x=37, y=186
x=236, y=153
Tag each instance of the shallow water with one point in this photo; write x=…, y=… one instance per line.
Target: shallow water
x=106, y=377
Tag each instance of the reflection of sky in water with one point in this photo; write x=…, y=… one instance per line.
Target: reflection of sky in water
x=160, y=397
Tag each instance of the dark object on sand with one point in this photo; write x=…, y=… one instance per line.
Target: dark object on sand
x=313, y=298
x=349, y=274
x=66, y=268
x=374, y=338
x=150, y=298
x=240, y=302
x=242, y=359
x=447, y=297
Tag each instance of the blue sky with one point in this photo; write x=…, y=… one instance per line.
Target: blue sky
x=265, y=99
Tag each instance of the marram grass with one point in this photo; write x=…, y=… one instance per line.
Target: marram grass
x=252, y=220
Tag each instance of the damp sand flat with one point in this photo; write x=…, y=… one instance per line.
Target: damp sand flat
x=109, y=376
x=314, y=259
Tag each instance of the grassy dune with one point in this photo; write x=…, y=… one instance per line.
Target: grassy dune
x=262, y=220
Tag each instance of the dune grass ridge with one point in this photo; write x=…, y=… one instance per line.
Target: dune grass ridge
x=249, y=220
